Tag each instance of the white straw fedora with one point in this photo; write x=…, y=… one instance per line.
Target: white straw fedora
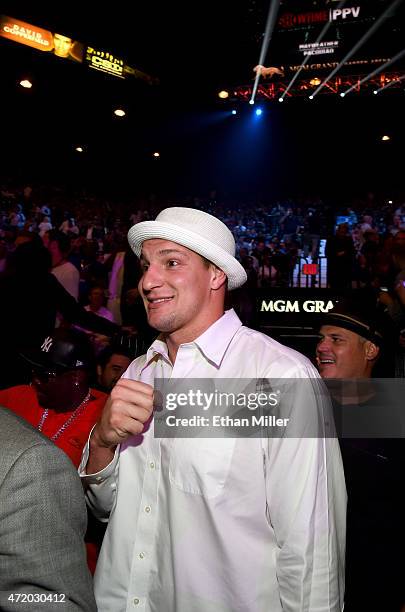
x=199, y=232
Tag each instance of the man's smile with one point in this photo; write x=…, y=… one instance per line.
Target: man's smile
x=156, y=302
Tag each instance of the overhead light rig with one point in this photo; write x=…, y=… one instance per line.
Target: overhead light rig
x=303, y=88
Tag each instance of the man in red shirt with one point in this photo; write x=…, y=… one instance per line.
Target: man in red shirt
x=59, y=401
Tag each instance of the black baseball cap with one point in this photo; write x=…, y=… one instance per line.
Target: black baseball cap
x=65, y=349
x=360, y=316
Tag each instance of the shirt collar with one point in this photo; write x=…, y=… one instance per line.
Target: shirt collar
x=212, y=343
x=216, y=339
x=158, y=347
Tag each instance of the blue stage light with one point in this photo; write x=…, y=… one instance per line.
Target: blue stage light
x=234, y=112
x=258, y=111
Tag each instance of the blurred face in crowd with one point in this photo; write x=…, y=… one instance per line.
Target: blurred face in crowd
x=60, y=391
x=96, y=298
x=356, y=234
x=343, y=229
x=341, y=353
x=109, y=375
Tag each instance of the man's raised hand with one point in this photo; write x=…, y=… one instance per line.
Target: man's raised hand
x=126, y=411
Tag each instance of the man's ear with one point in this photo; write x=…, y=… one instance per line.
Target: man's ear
x=371, y=350
x=218, y=277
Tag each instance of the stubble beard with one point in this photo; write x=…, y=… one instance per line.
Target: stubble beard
x=165, y=324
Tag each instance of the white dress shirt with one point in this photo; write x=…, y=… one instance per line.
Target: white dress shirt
x=221, y=524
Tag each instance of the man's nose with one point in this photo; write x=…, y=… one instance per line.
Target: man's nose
x=151, y=278
x=323, y=345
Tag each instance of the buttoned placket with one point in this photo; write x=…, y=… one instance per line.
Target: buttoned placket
x=146, y=528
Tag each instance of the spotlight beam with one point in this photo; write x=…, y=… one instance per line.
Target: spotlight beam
x=391, y=83
x=376, y=71
x=360, y=43
x=306, y=58
x=271, y=19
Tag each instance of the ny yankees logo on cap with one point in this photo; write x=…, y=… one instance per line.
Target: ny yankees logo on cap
x=46, y=345
x=64, y=349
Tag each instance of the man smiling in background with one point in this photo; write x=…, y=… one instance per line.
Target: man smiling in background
x=352, y=337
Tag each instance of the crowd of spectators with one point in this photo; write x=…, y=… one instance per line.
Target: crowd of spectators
x=363, y=243
x=270, y=237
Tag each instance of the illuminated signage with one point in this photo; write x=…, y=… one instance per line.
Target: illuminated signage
x=40, y=39
x=25, y=33
x=63, y=46
x=66, y=47
x=291, y=20
x=105, y=62
x=310, y=269
x=319, y=48
x=296, y=306
x=344, y=13
x=331, y=65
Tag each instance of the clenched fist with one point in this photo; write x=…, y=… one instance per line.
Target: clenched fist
x=128, y=408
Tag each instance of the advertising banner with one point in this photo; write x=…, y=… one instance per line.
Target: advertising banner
x=40, y=39
x=104, y=61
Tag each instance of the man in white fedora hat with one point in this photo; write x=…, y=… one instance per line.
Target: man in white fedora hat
x=210, y=524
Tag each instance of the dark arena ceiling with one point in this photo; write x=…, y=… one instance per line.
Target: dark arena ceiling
x=191, y=52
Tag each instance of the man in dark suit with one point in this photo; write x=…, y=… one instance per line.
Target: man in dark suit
x=42, y=524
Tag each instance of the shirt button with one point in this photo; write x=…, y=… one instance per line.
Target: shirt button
x=142, y=555
x=152, y=465
x=148, y=509
x=136, y=601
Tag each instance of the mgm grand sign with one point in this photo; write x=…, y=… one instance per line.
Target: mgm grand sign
x=294, y=315
x=297, y=307
x=285, y=305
